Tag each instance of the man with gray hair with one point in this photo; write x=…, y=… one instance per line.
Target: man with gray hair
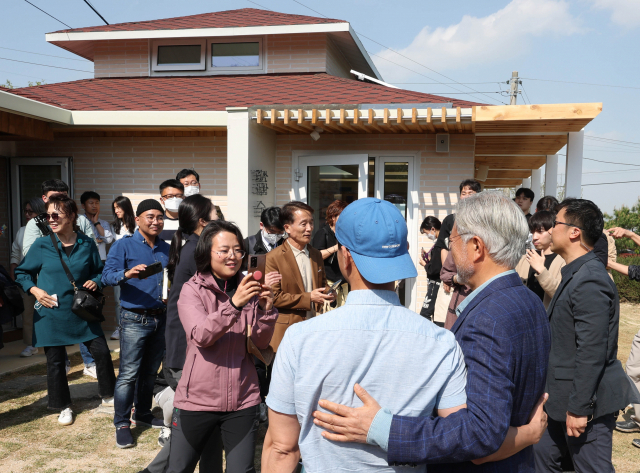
x=504, y=334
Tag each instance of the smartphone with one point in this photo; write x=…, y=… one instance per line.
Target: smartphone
x=257, y=263
x=335, y=286
x=150, y=270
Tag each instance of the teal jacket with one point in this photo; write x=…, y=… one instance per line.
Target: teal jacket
x=59, y=326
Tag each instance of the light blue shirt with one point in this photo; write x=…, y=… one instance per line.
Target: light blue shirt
x=381, y=426
x=405, y=362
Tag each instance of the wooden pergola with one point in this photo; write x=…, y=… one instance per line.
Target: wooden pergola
x=511, y=140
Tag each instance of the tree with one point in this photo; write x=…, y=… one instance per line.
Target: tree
x=628, y=218
x=7, y=85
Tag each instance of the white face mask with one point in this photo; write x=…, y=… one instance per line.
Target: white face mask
x=271, y=238
x=172, y=204
x=431, y=236
x=191, y=190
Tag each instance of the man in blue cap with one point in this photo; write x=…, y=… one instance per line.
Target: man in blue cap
x=372, y=340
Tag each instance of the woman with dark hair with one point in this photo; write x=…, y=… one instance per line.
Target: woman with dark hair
x=124, y=223
x=55, y=325
x=325, y=241
x=431, y=261
x=548, y=202
x=540, y=269
x=218, y=309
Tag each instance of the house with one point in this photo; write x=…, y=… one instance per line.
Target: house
x=267, y=107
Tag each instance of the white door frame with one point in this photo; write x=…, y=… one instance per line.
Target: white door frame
x=16, y=204
x=333, y=157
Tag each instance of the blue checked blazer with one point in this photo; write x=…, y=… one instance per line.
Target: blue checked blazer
x=505, y=338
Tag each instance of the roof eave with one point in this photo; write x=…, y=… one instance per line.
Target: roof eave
x=365, y=54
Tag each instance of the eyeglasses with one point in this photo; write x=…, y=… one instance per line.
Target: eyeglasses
x=55, y=216
x=451, y=240
x=158, y=218
x=173, y=196
x=555, y=222
x=230, y=253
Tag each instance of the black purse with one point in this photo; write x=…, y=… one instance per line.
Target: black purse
x=87, y=304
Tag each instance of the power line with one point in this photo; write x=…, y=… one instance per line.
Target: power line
x=96, y=11
x=583, y=83
x=446, y=83
x=606, y=183
x=23, y=75
x=612, y=141
x=45, y=65
x=610, y=150
x=402, y=55
x=611, y=162
x=47, y=14
x=50, y=55
x=525, y=93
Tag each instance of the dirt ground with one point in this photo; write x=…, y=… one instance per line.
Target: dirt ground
x=31, y=440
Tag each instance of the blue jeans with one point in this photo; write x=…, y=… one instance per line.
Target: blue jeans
x=141, y=350
x=86, y=356
x=116, y=298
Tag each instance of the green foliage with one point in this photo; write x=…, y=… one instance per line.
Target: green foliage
x=628, y=218
x=38, y=82
x=629, y=290
x=7, y=85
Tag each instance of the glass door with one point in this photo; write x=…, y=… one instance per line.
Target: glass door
x=27, y=175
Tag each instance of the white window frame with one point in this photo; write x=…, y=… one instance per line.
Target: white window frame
x=178, y=67
x=240, y=69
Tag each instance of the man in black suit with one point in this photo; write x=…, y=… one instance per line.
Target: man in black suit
x=585, y=381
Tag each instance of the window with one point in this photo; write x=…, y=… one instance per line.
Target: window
x=178, y=55
x=235, y=55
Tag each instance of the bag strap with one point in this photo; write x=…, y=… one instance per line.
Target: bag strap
x=64, y=265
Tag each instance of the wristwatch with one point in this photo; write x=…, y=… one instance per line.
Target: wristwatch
x=97, y=223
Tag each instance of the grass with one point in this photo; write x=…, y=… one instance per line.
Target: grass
x=32, y=441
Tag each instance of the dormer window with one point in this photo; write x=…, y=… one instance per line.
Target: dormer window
x=228, y=55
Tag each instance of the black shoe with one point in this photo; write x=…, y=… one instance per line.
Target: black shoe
x=636, y=443
x=124, y=439
x=627, y=426
x=149, y=421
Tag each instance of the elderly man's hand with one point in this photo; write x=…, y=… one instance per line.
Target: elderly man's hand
x=349, y=424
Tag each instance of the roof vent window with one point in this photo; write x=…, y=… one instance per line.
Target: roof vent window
x=182, y=54
x=235, y=55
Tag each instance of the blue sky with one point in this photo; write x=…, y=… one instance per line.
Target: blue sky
x=469, y=41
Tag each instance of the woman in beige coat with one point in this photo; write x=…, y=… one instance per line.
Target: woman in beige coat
x=540, y=269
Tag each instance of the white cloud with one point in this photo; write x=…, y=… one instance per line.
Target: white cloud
x=623, y=12
x=502, y=35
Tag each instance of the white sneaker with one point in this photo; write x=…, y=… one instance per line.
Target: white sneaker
x=28, y=352
x=90, y=371
x=165, y=435
x=116, y=334
x=108, y=401
x=66, y=417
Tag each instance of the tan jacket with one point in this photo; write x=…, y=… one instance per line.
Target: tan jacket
x=290, y=299
x=549, y=279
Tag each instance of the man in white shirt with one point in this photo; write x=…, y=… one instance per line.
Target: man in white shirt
x=101, y=229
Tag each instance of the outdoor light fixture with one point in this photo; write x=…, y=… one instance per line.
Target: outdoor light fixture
x=315, y=134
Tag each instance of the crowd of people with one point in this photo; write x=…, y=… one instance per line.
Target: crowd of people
x=510, y=366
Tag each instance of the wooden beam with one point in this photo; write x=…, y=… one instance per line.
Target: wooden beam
x=279, y=128
x=314, y=117
x=473, y=119
x=430, y=126
x=560, y=111
x=274, y=116
x=259, y=116
x=301, y=122
x=502, y=182
x=329, y=125
x=25, y=127
x=509, y=174
x=443, y=119
x=414, y=120
x=458, y=122
x=511, y=162
x=286, y=116
x=400, y=122
x=386, y=122
x=371, y=121
x=523, y=144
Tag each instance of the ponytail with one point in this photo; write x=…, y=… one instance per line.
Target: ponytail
x=174, y=252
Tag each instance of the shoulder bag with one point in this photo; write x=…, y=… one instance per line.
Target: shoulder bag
x=87, y=304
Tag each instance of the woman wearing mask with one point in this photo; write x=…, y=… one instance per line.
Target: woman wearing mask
x=124, y=223
x=55, y=325
x=194, y=213
x=31, y=208
x=540, y=269
x=220, y=384
x=325, y=241
x=432, y=262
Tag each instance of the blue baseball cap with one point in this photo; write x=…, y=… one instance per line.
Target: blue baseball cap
x=375, y=233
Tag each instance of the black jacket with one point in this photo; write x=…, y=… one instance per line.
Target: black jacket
x=584, y=375
x=175, y=337
x=258, y=247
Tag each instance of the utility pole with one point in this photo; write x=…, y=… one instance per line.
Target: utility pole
x=513, y=92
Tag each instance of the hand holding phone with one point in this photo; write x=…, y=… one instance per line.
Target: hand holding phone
x=143, y=273
x=334, y=288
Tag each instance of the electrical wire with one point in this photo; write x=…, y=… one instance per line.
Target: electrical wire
x=406, y=57
x=525, y=93
x=96, y=11
x=59, y=21
x=40, y=54
x=45, y=65
x=583, y=83
x=606, y=183
x=611, y=162
x=630, y=144
x=23, y=75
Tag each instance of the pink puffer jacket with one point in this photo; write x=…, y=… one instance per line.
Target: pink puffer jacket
x=219, y=374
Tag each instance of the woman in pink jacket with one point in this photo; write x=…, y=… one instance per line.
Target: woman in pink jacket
x=219, y=383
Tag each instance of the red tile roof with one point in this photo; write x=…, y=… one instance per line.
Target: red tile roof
x=219, y=92
x=223, y=19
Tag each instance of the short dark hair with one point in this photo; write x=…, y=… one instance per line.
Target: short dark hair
x=429, y=223
x=586, y=215
x=287, y=214
x=89, y=195
x=67, y=205
x=205, y=242
x=187, y=172
x=541, y=221
x=270, y=218
x=471, y=183
x=54, y=185
x=548, y=202
x=171, y=183
x=37, y=205
x=334, y=210
x=528, y=193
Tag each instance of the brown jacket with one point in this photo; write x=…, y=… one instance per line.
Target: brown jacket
x=549, y=279
x=290, y=298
